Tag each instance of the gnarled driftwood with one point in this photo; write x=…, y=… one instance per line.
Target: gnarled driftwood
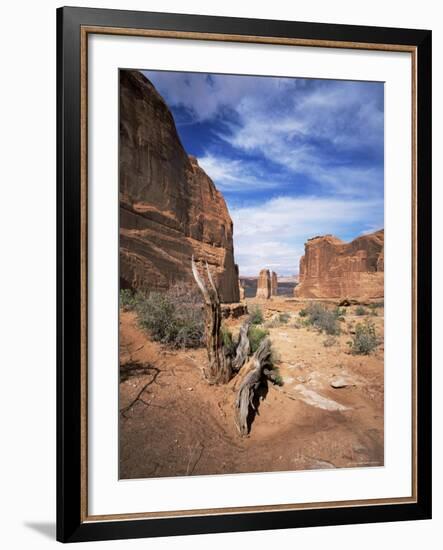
x=252, y=376
x=243, y=347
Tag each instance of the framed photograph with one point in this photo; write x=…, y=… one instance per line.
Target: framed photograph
x=244, y=274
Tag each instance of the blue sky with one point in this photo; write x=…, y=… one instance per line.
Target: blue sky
x=293, y=157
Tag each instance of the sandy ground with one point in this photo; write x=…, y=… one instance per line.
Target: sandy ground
x=172, y=423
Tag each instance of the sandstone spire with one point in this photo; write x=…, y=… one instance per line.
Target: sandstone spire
x=274, y=284
x=241, y=289
x=264, y=285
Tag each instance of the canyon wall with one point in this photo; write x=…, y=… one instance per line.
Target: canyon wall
x=332, y=268
x=169, y=208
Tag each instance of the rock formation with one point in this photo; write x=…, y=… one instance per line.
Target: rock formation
x=332, y=268
x=264, y=285
x=274, y=284
x=169, y=208
x=241, y=290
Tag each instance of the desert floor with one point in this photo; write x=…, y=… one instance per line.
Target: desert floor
x=172, y=423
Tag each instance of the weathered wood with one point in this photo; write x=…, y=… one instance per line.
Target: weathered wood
x=252, y=376
x=218, y=370
x=243, y=347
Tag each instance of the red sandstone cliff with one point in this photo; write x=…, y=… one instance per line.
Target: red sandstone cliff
x=169, y=208
x=332, y=268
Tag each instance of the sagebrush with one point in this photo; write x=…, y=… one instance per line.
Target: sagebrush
x=360, y=311
x=322, y=318
x=365, y=339
x=256, y=315
x=256, y=335
x=175, y=317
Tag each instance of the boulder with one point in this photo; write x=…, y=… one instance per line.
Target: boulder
x=233, y=311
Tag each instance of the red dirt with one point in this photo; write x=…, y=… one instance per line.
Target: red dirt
x=182, y=426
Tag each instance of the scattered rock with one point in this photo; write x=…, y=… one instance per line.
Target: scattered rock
x=347, y=303
x=317, y=464
x=233, y=311
x=341, y=382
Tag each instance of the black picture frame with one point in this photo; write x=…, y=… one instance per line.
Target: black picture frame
x=72, y=526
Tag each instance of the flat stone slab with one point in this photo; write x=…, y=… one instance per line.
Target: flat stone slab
x=341, y=382
x=311, y=397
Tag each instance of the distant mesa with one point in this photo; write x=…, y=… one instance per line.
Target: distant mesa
x=331, y=268
x=169, y=208
x=267, y=284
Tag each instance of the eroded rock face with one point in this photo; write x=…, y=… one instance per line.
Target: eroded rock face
x=332, y=268
x=241, y=290
x=274, y=284
x=234, y=311
x=264, y=285
x=169, y=208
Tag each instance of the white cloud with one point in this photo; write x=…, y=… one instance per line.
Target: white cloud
x=294, y=123
x=273, y=234
x=206, y=96
x=234, y=175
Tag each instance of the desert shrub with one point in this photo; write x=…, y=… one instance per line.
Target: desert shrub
x=340, y=312
x=228, y=341
x=303, y=313
x=330, y=341
x=284, y=318
x=256, y=335
x=127, y=299
x=278, y=320
x=373, y=312
x=375, y=305
x=277, y=378
x=360, y=310
x=256, y=315
x=174, y=318
x=365, y=340
x=322, y=319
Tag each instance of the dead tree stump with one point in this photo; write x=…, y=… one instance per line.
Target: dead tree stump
x=218, y=370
